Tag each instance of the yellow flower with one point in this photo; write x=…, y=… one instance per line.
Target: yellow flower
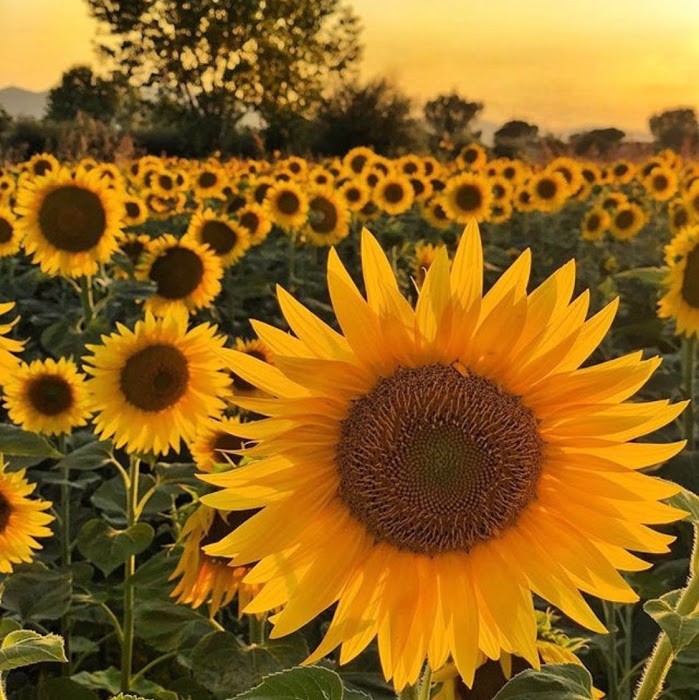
x=8, y=346
x=355, y=194
x=216, y=444
x=69, y=224
x=472, y=157
x=10, y=237
x=455, y=456
x=661, y=183
x=287, y=205
x=595, y=223
x=328, y=219
x=467, y=196
x=549, y=191
x=227, y=238
x=358, y=159
x=22, y=519
x=424, y=257
x=622, y=172
x=627, y=221
x=41, y=164
x=153, y=386
x=433, y=213
x=135, y=210
x=47, y=397
x=394, y=194
x=253, y=218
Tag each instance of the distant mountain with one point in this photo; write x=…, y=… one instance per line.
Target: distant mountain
x=19, y=102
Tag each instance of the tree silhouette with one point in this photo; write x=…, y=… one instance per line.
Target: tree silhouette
x=514, y=138
x=675, y=128
x=596, y=142
x=448, y=118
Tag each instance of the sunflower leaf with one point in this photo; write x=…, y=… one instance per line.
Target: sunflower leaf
x=553, y=682
x=686, y=500
x=108, y=548
x=310, y=683
x=36, y=593
x=26, y=647
x=21, y=443
x=681, y=630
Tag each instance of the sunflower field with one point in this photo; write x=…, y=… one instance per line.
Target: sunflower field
x=350, y=429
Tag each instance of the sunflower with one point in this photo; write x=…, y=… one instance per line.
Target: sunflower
x=661, y=183
x=433, y=213
x=570, y=170
x=328, y=219
x=627, y=221
x=41, y=164
x=394, y=194
x=355, y=193
x=549, y=191
x=500, y=212
x=7, y=188
x=134, y=246
x=10, y=238
x=256, y=349
x=679, y=215
x=135, y=210
x=425, y=255
x=320, y=176
x=455, y=472
x=187, y=275
x=226, y=237
x=595, y=223
x=203, y=578
x=613, y=200
x=47, y=397
x=681, y=300
x=255, y=220
x=69, y=224
x=8, y=346
x=214, y=444
x=22, y=519
x=467, y=196
x=472, y=157
x=422, y=188
x=234, y=203
x=287, y=205
x=358, y=159
x=411, y=165
x=523, y=199
x=208, y=182
x=622, y=172
x=152, y=387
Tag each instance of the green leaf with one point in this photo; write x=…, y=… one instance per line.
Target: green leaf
x=8, y=625
x=26, y=647
x=311, y=683
x=553, y=682
x=681, y=630
x=35, y=593
x=648, y=275
x=64, y=689
x=110, y=497
x=110, y=680
x=22, y=443
x=108, y=548
x=686, y=500
x=93, y=455
x=166, y=626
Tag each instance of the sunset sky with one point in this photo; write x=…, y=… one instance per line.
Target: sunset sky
x=560, y=64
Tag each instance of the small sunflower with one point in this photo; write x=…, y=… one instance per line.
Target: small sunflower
x=467, y=196
x=69, y=224
x=691, y=199
x=22, y=519
x=320, y=176
x=153, y=386
x=8, y=346
x=226, y=237
x=679, y=215
x=134, y=246
x=208, y=182
x=411, y=165
x=359, y=159
x=433, y=213
x=215, y=444
x=135, y=210
x=500, y=212
x=394, y=194
x=207, y=579
x=356, y=194
x=255, y=220
x=187, y=275
x=549, y=191
x=42, y=164
x=422, y=188
x=328, y=219
x=681, y=300
x=260, y=187
x=595, y=224
x=627, y=221
x=256, y=349
x=10, y=238
x=287, y=205
x=661, y=183
x=523, y=199
x=425, y=255
x=47, y=397
x=622, y=172
x=472, y=157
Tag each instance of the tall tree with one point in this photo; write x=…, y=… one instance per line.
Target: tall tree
x=675, y=128
x=596, y=142
x=515, y=138
x=448, y=120
x=219, y=59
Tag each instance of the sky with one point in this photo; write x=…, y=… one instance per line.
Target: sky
x=562, y=64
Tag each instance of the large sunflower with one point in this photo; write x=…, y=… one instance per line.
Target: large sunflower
x=681, y=300
x=22, y=519
x=8, y=346
x=187, y=274
x=70, y=224
x=47, y=397
x=434, y=467
x=154, y=385
x=226, y=237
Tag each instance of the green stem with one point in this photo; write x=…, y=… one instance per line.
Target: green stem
x=155, y=662
x=257, y=628
x=86, y=300
x=625, y=682
x=612, y=659
x=689, y=357
x=129, y=571
x=408, y=693
x=66, y=669
x=3, y=696
x=292, y=261
x=662, y=657
x=425, y=686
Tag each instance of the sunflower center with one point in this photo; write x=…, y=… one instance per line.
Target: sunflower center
x=660, y=182
x=546, y=189
x=468, y=197
x=5, y=231
x=624, y=219
x=132, y=250
x=434, y=461
x=593, y=222
x=352, y=194
x=50, y=395
x=470, y=155
x=207, y=180
x=5, y=512
x=177, y=272
x=133, y=211
x=154, y=378
x=72, y=219
x=680, y=218
x=288, y=203
x=690, y=279
x=393, y=193
x=250, y=220
x=220, y=237
x=323, y=217
x=223, y=447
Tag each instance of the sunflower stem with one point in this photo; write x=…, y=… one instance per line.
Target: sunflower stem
x=3, y=696
x=292, y=261
x=425, y=685
x=661, y=659
x=410, y=692
x=689, y=356
x=127, y=625
x=257, y=629
x=65, y=548
x=86, y=299
x=612, y=658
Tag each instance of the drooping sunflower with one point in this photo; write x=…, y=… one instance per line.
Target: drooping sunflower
x=328, y=219
x=394, y=194
x=153, y=386
x=207, y=579
x=287, y=205
x=595, y=224
x=681, y=300
x=215, y=444
x=430, y=476
x=467, y=196
x=255, y=220
x=22, y=519
x=226, y=237
x=10, y=237
x=69, y=225
x=47, y=397
x=187, y=275
x=549, y=190
x=627, y=221
x=8, y=346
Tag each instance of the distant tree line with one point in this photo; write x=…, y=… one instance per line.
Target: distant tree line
x=246, y=77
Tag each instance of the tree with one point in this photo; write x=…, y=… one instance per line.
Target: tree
x=376, y=114
x=448, y=118
x=596, y=142
x=514, y=138
x=219, y=59
x=675, y=128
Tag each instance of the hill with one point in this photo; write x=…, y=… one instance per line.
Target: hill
x=20, y=102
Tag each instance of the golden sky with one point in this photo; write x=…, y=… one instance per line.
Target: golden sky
x=559, y=63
